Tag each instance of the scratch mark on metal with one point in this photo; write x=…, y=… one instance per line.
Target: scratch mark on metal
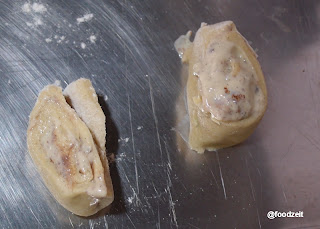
x=260, y=182
x=280, y=24
x=171, y=204
x=312, y=95
x=6, y=215
x=133, y=145
x=130, y=220
x=159, y=222
x=264, y=38
x=251, y=185
x=168, y=155
x=258, y=218
x=91, y=224
x=135, y=197
x=285, y=197
x=309, y=139
x=158, y=196
x=155, y=189
x=250, y=155
x=221, y=177
x=137, y=201
x=148, y=204
x=35, y=216
x=105, y=222
x=125, y=174
x=85, y=63
x=289, y=149
x=284, y=194
x=212, y=173
x=215, y=180
x=193, y=226
x=71, y=222
x=104, y=61
x=154, y=116
x=259, y=173
x=183, y=186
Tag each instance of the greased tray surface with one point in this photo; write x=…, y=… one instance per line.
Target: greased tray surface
x=158, y=181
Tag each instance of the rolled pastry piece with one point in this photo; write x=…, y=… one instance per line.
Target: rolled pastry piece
x=64, y=151
x=82, y=97
x=226, y=90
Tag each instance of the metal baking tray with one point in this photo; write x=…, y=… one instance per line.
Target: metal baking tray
x=158, y=181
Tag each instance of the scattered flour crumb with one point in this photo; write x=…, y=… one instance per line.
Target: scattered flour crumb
x=139, y=127
x=112, y=158
x=93, y=39
x=26, y=7
x=61, y=39
x=130, y=199
x=56, y=37
x=105, y=98
x=121, y=156
x=35, y=7
x=38, y=8
x=147, y=75
x=57, y=83
x=9, y=81
x=48, y=40
x=83, y=45
x=37, y=21
x=85, y=18
x=123, y=139
x=134, y=199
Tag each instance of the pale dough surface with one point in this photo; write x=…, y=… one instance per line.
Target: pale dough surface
x=204, y=132
x=64, y=151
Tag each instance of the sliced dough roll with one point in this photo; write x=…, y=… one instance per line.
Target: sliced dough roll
x=66, y=156
x=226, y=90
x=81, y=95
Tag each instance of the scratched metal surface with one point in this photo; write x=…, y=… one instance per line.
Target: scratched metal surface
x=158, y=182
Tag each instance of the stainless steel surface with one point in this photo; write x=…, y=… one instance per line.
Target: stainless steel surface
x=158, y=182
